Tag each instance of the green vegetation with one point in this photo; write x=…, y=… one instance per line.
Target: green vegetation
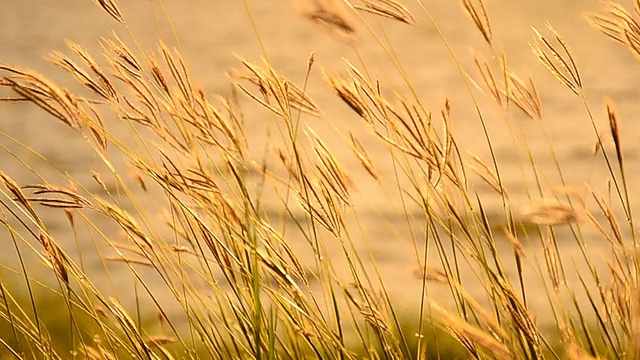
x=235, y=279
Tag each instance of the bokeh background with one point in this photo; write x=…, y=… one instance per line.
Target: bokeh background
x=209, y=34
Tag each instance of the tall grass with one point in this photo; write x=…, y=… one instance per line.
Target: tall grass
x=248, y=282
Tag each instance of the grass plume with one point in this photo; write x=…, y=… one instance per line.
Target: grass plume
x=180, y=199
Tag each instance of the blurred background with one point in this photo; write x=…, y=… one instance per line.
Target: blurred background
x=210, y=32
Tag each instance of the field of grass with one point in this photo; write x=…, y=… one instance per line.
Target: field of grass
x=243, y=287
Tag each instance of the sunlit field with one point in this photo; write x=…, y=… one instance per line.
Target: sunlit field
x=376, y=180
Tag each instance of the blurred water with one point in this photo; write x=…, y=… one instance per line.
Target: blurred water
x=211, y=31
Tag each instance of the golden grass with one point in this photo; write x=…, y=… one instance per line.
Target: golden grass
x=253, y=284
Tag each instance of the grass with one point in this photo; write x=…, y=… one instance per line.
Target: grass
x=225, y=276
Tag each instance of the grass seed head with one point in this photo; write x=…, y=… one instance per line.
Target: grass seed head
x=333, y=17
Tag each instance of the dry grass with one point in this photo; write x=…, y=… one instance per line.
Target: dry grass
x=248, y=286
